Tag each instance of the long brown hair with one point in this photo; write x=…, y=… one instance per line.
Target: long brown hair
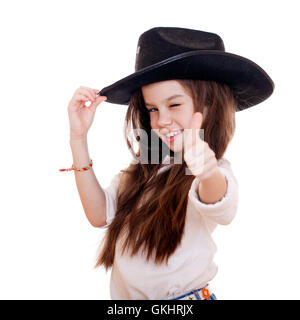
x=155, y=223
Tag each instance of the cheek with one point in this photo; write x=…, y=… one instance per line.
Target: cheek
x=154, y=127
x=184, y=119
x=188, y=118
x=153, y=123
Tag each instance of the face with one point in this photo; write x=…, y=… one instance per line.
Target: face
x=170, y=109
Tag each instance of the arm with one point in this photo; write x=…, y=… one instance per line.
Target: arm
x=212, y=189
x=91, y=194
x=223, y=210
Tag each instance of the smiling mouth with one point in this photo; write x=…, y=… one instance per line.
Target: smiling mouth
x=172, y=136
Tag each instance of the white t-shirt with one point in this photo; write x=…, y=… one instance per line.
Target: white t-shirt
x=191, y=266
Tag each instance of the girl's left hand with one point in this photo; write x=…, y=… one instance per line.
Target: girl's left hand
x=199, y=157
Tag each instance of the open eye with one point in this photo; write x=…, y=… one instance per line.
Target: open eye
x=149, y=110
x=174, y=105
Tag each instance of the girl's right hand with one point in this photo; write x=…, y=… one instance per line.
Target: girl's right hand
x=80, y=116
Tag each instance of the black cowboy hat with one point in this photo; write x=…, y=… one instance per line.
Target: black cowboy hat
x=169, y=53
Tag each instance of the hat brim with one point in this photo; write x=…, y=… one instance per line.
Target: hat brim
x=250, y=83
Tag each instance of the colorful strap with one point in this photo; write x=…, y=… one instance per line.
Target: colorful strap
x=82, y=169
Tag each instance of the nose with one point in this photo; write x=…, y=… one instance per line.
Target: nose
x=164, y=118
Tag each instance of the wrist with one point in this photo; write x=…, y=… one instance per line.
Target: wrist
x=75, y=139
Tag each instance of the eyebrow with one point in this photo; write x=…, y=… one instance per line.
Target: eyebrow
x=168, y=99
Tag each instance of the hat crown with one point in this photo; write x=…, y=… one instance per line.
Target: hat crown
x=160, y=43
x=168, y=53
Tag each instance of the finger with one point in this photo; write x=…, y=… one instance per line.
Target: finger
x=97, y=91
x=195, y=151
x=97, y=102
x=87, y=100
x=77, y=101
x=81, y=97
x=86, y=88
x=195, y=126
x=211, y=167
x=101, y=98
x=192, y=142
x=98, y=94
x=87, y=91
x=199, y=159
x=196, y=121
x=93, y=91
x=192, y=134
x=187, y=139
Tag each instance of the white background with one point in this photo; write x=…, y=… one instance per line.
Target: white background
x=49, y=49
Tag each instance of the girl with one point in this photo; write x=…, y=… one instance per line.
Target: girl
x=161, y=211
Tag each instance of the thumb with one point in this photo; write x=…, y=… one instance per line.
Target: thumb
x=98, y=100
x=191, y=134
x=196, y=120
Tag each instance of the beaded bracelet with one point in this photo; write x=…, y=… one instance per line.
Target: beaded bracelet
x=82, y=169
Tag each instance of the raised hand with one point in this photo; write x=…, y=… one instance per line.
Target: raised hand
x=199, y=157
x=81, y=116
